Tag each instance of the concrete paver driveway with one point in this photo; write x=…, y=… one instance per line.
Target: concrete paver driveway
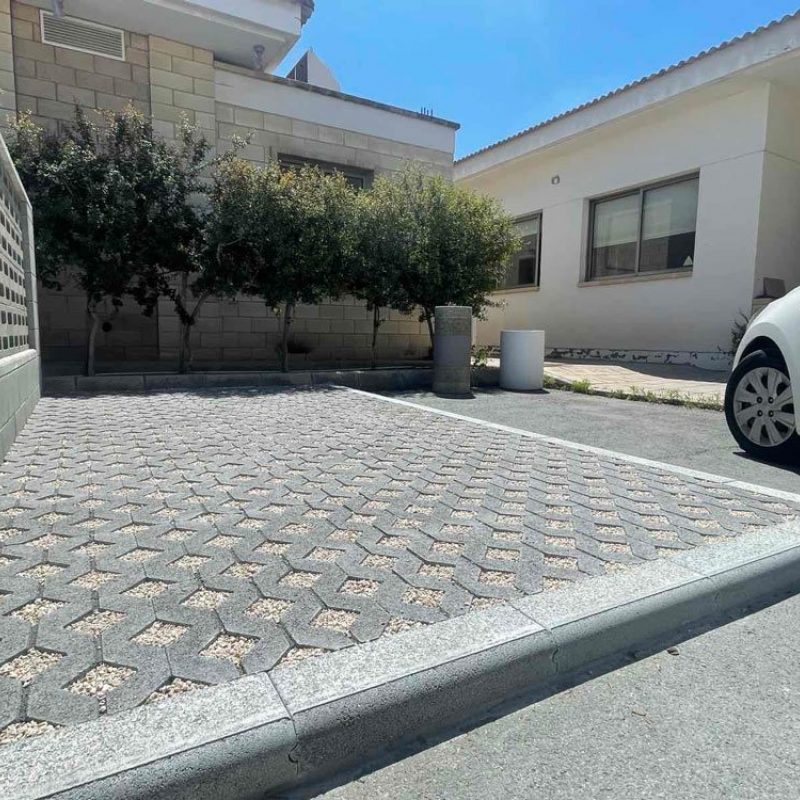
x=154, y=544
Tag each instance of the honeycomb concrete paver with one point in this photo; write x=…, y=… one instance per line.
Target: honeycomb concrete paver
x=152, y=545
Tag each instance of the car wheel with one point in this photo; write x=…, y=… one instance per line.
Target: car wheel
x=759, y=408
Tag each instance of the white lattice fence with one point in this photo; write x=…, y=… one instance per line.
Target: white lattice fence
x=19, y=328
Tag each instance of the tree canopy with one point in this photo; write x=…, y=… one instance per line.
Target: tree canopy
x=285, y=236
x=113, y=208
x=453, y=244
x=122, y=213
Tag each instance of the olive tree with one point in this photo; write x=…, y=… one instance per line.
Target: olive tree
x=113, y=208
x=384, y=246
x=453, y=244
x=287, y=236
x=318, y=245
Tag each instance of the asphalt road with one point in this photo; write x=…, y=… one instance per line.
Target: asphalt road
x=719, y=719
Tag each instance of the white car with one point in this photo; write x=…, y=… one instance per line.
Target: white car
x=759, y=405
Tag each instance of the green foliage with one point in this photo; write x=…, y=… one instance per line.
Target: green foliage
x=383, y=254
x=581, y=386
x=286, y=236
x=480, y=356
x=738, y=330
x=119, y=212
x=452, y=245
x=112, y=207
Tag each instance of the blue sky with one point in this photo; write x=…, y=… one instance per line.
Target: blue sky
x=498, y=66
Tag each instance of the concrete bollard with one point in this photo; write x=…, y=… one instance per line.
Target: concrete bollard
x=452, y=351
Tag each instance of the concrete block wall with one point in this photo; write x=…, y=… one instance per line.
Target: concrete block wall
x=8, y=91
x=273, y=135
x=20, y=383
x=246, y=331
x=65, y=330
x=50, y=81
x=182, y=87
x=19, y=393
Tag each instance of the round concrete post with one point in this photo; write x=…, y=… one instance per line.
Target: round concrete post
x=452, y=351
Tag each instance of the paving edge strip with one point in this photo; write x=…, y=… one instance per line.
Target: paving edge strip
x=268, y=732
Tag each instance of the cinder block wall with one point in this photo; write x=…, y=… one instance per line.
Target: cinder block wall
x=182, y=86
x=171, y=80
x=273, y=135
x=8, y=90
x=340, y=333
x=50, y=81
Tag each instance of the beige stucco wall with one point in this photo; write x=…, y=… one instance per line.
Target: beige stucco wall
x=172, y=80
x=685, y=317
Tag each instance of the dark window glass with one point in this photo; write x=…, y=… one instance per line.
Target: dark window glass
x=649, y=230
x=615, y=233
x=523, y=270
x=358, y=178
x=669, y=219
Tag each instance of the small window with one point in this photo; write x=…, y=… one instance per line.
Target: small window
x=523, y=270
x=645, y=231
x=357, y=178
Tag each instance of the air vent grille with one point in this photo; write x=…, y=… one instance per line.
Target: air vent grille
x=88, y=37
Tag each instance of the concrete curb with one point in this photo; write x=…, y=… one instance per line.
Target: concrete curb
x=268, y=732
x=378, y=380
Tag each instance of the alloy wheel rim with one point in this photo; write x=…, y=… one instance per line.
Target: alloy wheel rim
x=763, y=407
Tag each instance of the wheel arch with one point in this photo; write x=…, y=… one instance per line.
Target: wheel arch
x=763, y=343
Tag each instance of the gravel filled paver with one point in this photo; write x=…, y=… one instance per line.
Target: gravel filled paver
x=155, y=544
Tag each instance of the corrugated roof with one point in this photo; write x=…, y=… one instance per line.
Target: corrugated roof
x=634, y=84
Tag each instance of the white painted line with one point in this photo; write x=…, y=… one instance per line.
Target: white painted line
x=585, y=448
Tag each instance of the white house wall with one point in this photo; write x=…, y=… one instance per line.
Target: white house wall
x=779, y=223
x=682, y=318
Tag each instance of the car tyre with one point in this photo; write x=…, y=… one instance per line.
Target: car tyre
x=759, y=408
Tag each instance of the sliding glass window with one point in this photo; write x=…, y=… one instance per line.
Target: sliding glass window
x=648, y=230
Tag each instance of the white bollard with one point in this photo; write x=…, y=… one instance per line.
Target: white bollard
x=522, y=360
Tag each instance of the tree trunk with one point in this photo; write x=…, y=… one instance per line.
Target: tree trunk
x=91, y=310
x=288, y=309
x=376, y=323
x=185, y=348
x=429, y=320
x=185, y=320
x=185, y=344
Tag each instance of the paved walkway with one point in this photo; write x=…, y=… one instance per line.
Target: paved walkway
x=155, y=544
x=663, y=380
